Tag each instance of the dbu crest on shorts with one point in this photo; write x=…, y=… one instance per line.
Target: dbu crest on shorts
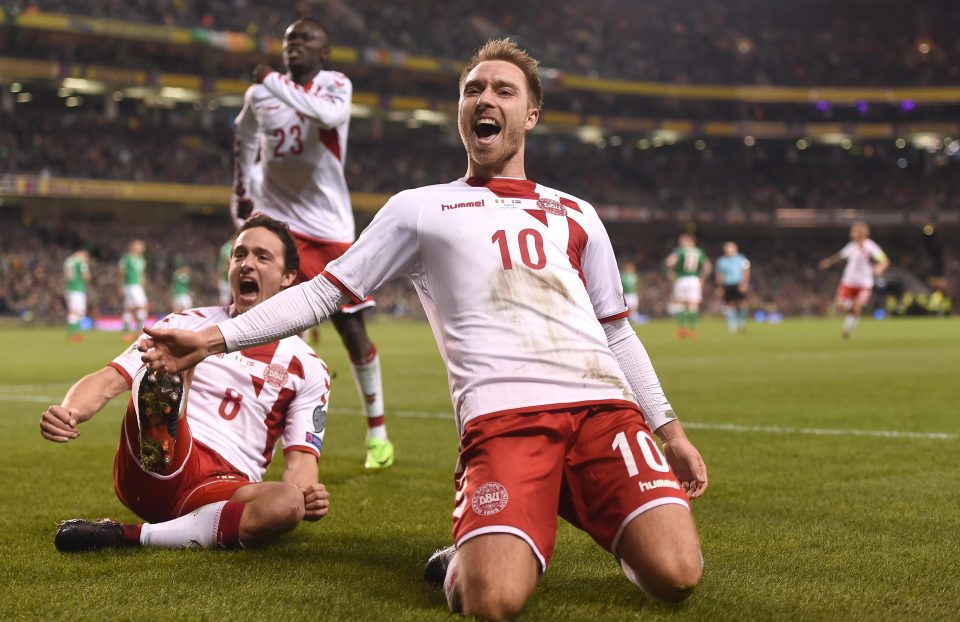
x=489, y=499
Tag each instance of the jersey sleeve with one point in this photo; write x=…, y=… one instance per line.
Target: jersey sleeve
x=328, y=105
x=128, y=363
x=307, y=414
x=245, y=149
x=847, y=250
x=876, y=252
x=601, y=275
x=387, y=248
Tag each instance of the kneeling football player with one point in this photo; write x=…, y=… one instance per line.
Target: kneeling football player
x=193, y=449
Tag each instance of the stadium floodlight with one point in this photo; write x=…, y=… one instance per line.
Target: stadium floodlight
x=84, y=86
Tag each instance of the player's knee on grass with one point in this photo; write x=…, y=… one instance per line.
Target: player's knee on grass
x=660, y=553
x=497, y=574
x=490, y=595
x=271, y=512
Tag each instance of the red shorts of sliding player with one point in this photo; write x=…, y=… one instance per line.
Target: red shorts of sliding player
x=198, y=476
x=596, y=466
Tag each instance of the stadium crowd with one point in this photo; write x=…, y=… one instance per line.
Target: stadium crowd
x=174, y=146
x=811, y=42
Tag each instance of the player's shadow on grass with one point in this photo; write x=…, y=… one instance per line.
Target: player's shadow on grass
x=388, y=566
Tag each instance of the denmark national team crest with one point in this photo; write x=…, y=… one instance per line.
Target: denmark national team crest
x=490, y=498
x=552, y=207
x=275, y=375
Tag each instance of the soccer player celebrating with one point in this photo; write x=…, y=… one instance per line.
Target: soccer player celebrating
x=554, y=395
x=76, y=273
x=131, y=270
x=689, y=267
x=733, y=275
x=299, y=124
x=196, y=476
x=865, y=261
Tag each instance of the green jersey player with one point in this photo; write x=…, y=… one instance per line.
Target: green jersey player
x=180, y=292
x=688, y=267
x=132, y=267
x=76, y=274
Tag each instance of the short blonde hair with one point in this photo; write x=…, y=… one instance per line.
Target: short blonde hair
x=507, y=50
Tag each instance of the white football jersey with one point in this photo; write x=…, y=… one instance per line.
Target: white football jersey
x=301, y=135
x=513, y=277
x=240, y=403
x=860, y=258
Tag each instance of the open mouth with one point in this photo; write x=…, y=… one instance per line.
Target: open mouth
x=486, y=130
x=249, y=287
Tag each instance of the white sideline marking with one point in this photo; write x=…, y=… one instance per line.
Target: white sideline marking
x=7, y=394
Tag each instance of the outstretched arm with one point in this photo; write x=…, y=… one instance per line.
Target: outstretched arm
x=290, y=312
x=683, y=457
x=91, y=393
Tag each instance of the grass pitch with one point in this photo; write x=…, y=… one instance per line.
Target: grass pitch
x=832, y=492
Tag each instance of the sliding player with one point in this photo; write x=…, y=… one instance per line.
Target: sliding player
x=196, y=477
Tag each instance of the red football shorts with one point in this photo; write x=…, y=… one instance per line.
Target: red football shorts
x=203, y=476
x=315, y=255
x=596, y=466
x=849, y=294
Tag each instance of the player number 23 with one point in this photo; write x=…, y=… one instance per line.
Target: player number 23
x=648, y=448
x=535, y=260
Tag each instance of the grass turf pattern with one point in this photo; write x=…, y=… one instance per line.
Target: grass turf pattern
x=798, y=523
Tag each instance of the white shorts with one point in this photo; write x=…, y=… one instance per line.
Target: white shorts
x=182, y=301
x=134, y=297
x=226, y=296
x=76, y=303
x=633, y=302
x=687, y=290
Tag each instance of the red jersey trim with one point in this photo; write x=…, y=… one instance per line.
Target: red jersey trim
x=524, y=410
x=123, y=372
x=343, y=288
x=618, y=316
x=506, y=188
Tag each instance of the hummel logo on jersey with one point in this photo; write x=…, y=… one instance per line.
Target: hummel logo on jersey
x=658, y=483
x=444, y=206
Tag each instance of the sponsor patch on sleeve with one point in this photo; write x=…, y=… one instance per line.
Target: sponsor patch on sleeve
x=315, y=440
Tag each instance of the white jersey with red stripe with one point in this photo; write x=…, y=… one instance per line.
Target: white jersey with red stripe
x=240, y=403
x=514, y=277
x=860, y=259
x=301, y=135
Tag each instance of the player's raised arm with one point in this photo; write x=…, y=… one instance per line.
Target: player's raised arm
x=244, y=166
x=328, y=106
x=85, y=398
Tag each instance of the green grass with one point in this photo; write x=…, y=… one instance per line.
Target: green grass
x=795, y=526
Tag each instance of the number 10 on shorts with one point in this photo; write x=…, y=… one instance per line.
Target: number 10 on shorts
x=648, y=449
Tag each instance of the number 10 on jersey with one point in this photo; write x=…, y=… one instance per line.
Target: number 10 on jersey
x=535, y=259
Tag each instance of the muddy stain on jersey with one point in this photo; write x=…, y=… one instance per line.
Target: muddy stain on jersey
x=596, y=371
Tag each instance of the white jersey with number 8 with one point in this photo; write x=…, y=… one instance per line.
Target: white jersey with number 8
x=241, y=403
